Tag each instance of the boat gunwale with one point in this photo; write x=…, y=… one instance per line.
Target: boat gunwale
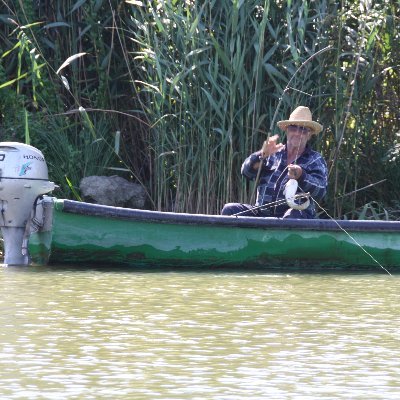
x=130, y=214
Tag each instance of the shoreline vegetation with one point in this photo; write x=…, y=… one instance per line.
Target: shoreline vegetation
x=174, y=95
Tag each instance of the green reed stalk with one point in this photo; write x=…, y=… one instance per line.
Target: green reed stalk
x=210, y=99
x=355, y=78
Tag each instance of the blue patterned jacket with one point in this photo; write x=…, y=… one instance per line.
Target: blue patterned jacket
x=273, y=178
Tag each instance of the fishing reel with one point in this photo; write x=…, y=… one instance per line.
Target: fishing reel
x=294, y=200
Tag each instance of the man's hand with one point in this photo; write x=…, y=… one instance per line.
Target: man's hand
x=271, y=147
x=294, y=171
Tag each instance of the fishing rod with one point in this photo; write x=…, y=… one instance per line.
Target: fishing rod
x=285, y=90
x=363, y=188
x=272, y=204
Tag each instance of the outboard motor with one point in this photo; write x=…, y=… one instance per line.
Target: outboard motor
x=23, y=178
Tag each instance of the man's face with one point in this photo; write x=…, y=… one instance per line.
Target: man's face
x=297, y=136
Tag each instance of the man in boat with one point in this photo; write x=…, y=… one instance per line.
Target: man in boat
x=276, y=163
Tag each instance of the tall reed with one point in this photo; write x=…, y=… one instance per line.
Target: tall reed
x=364, y=122
x=213, y=74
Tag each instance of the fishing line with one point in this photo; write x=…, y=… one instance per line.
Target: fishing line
x=286, y=167
x=280, y=181
x=352, y=238
x=280, y=184
x=335, y=221
x=307, y=195
x=297, y=155
x=285, y=90
x=300, y=91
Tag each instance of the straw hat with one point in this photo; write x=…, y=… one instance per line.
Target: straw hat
x=301, y=116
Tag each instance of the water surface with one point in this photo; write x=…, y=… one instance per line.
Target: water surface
x=87, y=334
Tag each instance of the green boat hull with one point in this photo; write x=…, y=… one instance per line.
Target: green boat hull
x=87, y=234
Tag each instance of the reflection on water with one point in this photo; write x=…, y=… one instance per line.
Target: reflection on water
x=68, y=334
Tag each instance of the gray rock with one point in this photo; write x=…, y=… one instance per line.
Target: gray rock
x=112, y=191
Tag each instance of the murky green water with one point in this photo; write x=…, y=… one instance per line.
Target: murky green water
x=68, y=334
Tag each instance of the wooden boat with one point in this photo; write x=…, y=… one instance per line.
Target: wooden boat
x=42, y=229
x=82, y=233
